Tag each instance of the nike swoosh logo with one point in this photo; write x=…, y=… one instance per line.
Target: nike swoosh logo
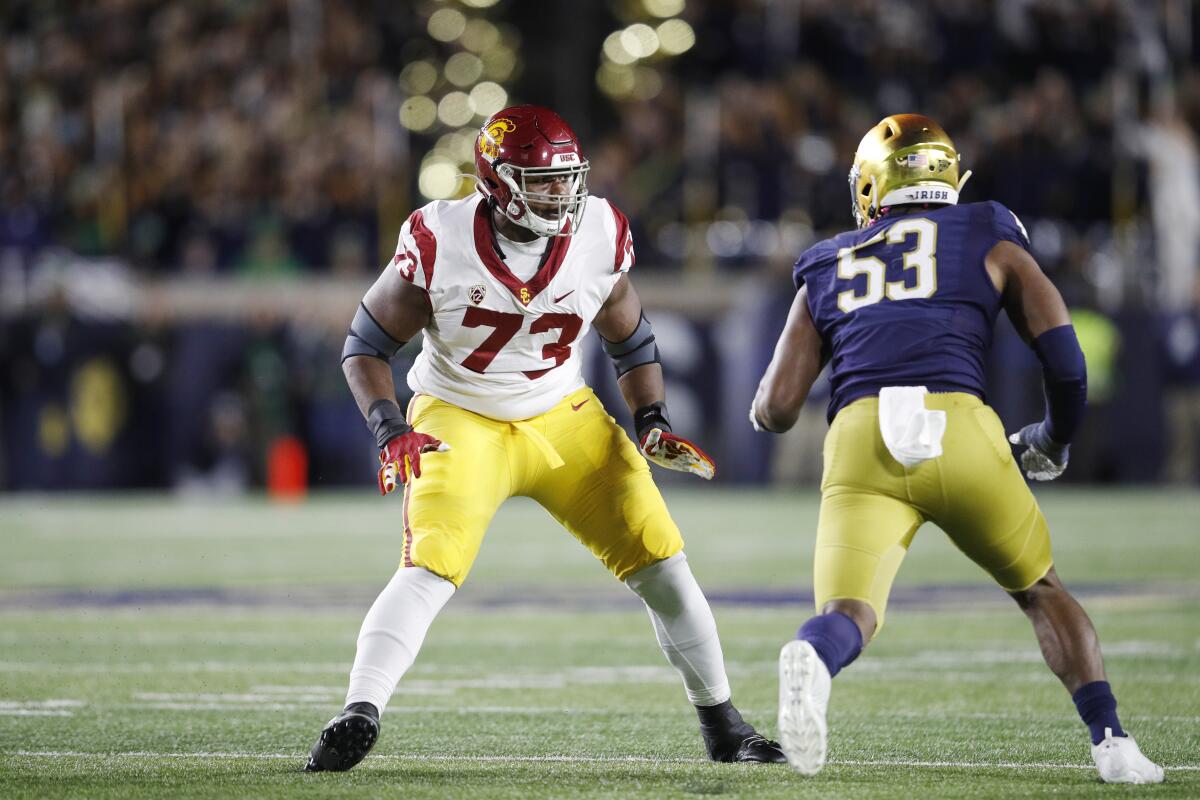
x=564, y=297
x=577, y=407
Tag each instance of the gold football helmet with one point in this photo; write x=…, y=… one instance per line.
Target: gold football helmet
x=906, y=158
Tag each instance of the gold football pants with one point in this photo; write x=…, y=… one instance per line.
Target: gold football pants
x=574, y=460
x=871, y=505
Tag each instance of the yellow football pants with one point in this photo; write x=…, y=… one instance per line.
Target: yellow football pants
x=574, y=460
x=871, y=505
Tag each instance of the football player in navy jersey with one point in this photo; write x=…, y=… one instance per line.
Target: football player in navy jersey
x=902, y=310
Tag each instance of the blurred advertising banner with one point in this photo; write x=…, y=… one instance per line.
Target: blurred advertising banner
x=230, y=386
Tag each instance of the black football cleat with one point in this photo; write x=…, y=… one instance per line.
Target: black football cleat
x=757, y=749
x=729, y=738
x=346, y=740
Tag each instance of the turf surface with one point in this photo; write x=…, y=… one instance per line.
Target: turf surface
x=155, y=646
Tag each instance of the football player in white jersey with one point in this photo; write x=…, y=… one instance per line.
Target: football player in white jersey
x=503, y=285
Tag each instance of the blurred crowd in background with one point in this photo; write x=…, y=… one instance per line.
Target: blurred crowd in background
x=165, y=141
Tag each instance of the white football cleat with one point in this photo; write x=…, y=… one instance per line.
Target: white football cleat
x=1120, y=761
x=804, y=684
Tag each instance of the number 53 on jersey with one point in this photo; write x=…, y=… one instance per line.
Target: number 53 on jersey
x=919, y=263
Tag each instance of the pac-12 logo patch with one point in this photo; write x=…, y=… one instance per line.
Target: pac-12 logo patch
x=477, y=293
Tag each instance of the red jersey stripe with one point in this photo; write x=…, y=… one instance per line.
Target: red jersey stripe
x=485, y=247
x=426, y=244
x=624, y=241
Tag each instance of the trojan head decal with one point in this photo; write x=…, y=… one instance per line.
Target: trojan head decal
x=491, y=137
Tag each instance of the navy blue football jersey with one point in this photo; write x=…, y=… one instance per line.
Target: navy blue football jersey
x=908, y=301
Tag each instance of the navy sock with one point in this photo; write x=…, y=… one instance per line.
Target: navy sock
x=835, y=637
x=1098, y=709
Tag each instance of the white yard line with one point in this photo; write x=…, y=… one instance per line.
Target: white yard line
x=258, y=707
x=556, y=759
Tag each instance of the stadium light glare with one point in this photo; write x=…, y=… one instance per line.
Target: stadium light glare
x=499, y=64
x=664, y=8
x=487, y=98
x=438, y=179
x=480, y=36
x=615, y=50
x=615, y=80
x=418, y=113
x=647, y=83
x=419, y=77
x=458, y=145
x=447, y=24
x=463, y=69
x=676, y=36
x=640, y=40
x=455, y=109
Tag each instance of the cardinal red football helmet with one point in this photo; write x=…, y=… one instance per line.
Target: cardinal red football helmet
x=529, y=164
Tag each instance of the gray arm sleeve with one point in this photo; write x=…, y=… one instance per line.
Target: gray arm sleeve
x=368, y=338
x=637, y=350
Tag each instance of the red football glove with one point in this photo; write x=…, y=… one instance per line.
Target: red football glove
x=674, y=452
x=401, y=455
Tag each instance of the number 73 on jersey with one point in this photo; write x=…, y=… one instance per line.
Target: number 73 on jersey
x=921, y=259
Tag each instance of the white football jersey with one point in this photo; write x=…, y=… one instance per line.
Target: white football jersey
x=497, y=345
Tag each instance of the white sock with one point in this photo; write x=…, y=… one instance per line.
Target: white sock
x=393, y=631
x=684, y=625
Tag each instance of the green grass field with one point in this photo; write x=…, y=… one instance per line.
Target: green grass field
x=159, y=647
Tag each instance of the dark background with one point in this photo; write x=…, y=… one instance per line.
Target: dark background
x=193, y=197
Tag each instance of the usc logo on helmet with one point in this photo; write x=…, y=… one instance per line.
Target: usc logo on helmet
x=491, y=137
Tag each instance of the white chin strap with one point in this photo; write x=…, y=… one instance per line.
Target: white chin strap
x=539, y=225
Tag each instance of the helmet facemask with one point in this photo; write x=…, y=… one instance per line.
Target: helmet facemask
x=544, y=212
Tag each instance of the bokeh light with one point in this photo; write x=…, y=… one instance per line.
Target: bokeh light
x=615, y=80
x=447, y=24
x=647, y=83
x=676, y=36
x=438, y=179
x=463, y=69
x=499, y=63
x=616, y=51
x=419, y=77
x=458, y=146
x=640, y=40
x=455, y=109
x=664, y=8
x=480, y=36
x=418, y=113
x=487, y=98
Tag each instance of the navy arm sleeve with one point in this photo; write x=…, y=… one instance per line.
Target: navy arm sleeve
x=1065, y=374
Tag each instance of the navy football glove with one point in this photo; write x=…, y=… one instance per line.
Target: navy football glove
x=1044, y=459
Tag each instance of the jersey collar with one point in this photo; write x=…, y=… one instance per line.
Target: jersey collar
x=489, y=253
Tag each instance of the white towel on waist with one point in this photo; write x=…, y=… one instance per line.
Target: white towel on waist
x=911, y=432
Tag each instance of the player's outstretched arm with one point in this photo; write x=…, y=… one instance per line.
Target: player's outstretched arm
x=629, y=341
x=790, y=375
x=391, y=313
x=1039, y=314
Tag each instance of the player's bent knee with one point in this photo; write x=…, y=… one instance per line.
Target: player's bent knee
x=859, y=611
x=1045, y=589
x=441, y=555
x=629, y=567
x=643, y=552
